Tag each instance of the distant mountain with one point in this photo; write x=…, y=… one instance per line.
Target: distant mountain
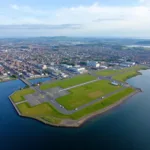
x=143, y=43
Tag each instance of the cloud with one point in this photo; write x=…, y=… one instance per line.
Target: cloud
x=28, y=9
x=141, y=1
x=40, y=26
x=92, y=19
x=14, y=6
x=81, y=14
x=145, y=2
x=108, y=19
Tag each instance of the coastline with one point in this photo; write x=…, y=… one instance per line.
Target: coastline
x=78, y=123
x=70, y=123
x=7, y=80
x=17, y=110
x=83, y=120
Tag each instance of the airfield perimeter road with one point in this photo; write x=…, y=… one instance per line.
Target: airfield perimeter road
x=62, y=109
x=72, y=87
x=21, y=102
x=69, y=112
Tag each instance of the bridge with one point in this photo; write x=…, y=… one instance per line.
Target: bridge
x=25, y=81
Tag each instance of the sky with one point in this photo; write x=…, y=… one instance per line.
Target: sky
x=85, y=18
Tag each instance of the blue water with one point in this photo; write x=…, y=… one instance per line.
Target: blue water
x=126, y=127
x=35, y=81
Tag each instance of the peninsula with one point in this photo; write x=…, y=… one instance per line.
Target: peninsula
x=71, y=102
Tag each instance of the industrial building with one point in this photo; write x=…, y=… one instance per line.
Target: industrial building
x=127, y=64
x=78, y=70
x=93, y=64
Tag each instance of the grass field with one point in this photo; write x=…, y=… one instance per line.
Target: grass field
x=84, y=94
x=126, y=75
x=68, y=82
x=19, y=95
x=110, y=72
x=122, y=74
x=48, y=113
x=136, y=68
x=102, y=104
x=51, y=119
x=77, y=97
x=106, y=72
x=43, y=109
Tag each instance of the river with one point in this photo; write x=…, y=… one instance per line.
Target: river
x=35, y=81
x=126, y=127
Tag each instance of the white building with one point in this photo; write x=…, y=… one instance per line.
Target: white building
x=124, y=65
x=64, y=75
x=42, y=66
x=66, y=66
x=128, y=64
x=131, y=63
x=104, y=67
x=78, y=70
x=93, y=64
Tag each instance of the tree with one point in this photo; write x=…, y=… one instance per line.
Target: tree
x=14, y=76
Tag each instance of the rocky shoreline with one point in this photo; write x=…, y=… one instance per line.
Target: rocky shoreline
x=83, y=120
x=78, y=123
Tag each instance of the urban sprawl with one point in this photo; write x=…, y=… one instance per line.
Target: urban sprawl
x=35, y=58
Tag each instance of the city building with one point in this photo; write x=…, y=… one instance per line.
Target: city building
x=124, y=65
x=131, y=63
x=104, y=67
x=93, y=64
x=64, y=75
x=66, y=66
x=78, y=70
x=40, y=66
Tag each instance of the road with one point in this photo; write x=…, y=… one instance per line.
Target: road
x=69, y=112
x=25, y=81
x=62, y=109
x=110, y=78
x=20, y=102
x=80, y=85
x=100, y=99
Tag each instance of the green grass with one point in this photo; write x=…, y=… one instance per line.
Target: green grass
x=41, y=110
x=136, y=68
x=118, y=72
x=84, y=94
x=19, y=95
x=102, y=104
x=51, y=119
x=68, y=82
x=78, y=97
x=126, y=75
x=44, y=111
x=130, y=72
x=106, y=72
x=122, y=74
x=47, y=112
